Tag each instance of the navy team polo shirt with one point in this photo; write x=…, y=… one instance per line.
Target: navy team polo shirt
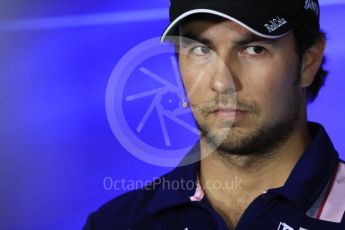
x=312, y=198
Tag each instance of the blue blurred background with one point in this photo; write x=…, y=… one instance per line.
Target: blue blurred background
x=56, y=144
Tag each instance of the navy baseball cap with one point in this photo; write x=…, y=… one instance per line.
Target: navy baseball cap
x=265, y=18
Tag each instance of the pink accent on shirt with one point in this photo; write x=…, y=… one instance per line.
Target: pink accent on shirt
x=334, y=205
x=199, y=193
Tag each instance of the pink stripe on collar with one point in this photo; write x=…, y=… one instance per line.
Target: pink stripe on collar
x=199, y=193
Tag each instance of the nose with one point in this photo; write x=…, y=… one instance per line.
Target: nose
x=223, y=81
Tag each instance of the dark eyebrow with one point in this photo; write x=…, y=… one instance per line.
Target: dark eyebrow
x=250, y=38
x=189, y=38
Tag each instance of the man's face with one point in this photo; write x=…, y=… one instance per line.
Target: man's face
x=244, y=91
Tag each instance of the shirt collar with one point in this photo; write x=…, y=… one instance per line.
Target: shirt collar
x=312, y=171
x=177, y=186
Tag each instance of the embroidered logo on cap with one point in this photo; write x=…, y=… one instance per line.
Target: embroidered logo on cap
x=275, y=24
x=312, y=5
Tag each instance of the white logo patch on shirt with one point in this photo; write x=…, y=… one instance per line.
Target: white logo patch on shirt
x=284, y=226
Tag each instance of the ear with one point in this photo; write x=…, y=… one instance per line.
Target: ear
x=311, y=62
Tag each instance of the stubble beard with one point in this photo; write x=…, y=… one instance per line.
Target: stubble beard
x=263, y=140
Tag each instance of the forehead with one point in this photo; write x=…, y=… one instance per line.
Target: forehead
x=212, y=26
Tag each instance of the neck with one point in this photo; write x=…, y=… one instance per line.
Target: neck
x=249, y=176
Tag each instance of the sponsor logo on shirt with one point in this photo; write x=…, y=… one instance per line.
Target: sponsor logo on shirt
x=284, y=226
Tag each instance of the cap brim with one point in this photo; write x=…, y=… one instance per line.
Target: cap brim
x=253, y=20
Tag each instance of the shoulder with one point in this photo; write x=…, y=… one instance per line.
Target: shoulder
x=132, y=208
x=123, y=210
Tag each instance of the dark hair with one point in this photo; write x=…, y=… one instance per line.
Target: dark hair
x=306, y=35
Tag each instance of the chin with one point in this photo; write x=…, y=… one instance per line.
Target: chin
x=229, y=138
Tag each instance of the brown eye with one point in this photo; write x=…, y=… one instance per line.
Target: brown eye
x=255, y=50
